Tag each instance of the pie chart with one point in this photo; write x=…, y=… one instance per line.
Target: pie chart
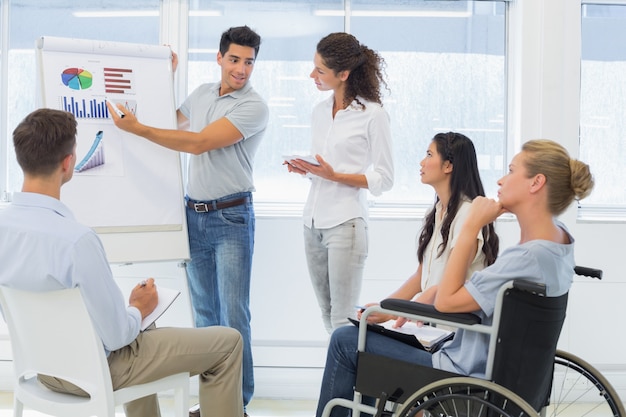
x=77, y=78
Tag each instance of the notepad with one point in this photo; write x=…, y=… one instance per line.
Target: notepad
x=166, y=298
x=306, y=158
x=422, y=337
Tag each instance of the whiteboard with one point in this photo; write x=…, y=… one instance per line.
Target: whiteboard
x=129, y=190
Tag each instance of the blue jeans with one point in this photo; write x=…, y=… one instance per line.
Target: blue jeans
x=221, y=243
x=340, y=371
x=336, y=260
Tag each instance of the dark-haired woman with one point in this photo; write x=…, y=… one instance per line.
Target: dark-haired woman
x=451, y=168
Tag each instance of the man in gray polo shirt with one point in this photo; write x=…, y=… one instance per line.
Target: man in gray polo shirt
x=221, y=125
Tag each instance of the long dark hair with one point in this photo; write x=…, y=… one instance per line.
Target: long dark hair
x=465, y=182
x=340, y=52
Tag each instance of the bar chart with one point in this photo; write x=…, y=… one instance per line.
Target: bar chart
x=85, y=108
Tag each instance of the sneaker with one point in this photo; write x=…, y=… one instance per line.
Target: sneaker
x=194, y=411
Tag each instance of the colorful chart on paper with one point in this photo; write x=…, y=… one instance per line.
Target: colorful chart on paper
x=118, y=174
x=84, y=109
x=77, y=78
x=118, y=80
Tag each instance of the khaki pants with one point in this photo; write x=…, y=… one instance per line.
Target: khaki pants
x=214, y=353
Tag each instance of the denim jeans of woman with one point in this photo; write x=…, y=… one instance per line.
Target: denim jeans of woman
x=340, y=371
x=221, y=244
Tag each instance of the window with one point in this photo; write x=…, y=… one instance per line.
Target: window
x=445, y=69
x=113, y=20
x=603, y=100
x=289, y=32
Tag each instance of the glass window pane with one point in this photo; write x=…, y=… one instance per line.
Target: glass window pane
x=603, y=99
x=446, y=72
x=289, y=32
x=111, y=20
x=445, y=67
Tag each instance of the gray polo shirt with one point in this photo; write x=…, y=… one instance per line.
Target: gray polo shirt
x=228, y=170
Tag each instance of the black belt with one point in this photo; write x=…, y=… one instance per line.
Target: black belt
x=218, y=205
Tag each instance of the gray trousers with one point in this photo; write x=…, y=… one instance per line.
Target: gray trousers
x=214, y=353
x=336, y=259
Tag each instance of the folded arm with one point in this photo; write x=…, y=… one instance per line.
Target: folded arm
x=452, y=296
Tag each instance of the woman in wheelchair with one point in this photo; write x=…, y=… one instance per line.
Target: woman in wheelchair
x=451, y=168
x=541, y=183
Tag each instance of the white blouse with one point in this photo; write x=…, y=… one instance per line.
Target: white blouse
x=433, y=266
x=355, y=141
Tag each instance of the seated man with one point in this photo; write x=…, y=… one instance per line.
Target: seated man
x=542, y=182
x=43, y=248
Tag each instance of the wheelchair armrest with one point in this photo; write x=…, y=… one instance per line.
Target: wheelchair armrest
x=412, y=307
x=530, y=287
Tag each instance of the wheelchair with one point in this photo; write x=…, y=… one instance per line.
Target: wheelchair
x=525, y=376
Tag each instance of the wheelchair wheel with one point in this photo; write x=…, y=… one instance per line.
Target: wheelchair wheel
x=467, y=397
x=579, y=388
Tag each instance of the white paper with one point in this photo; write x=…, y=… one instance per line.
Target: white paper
x=139, y=186
x=427, y=335
x=166, y=298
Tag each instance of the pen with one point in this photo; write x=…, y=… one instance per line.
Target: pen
x=118, y=111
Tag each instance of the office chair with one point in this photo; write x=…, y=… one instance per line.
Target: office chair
x=52, y=334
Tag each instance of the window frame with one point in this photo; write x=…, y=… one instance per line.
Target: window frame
x=4, y=100
x=600, y=213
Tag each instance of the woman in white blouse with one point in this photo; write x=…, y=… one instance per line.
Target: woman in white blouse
x=351, y=141
x=450, y=167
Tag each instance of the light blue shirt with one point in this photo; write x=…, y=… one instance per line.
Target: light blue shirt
x=225, y=171
x=539, y=261
x=42, y=248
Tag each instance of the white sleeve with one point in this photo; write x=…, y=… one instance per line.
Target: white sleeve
x=380, y=178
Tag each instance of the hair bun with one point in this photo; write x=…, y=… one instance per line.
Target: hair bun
x=581, y=179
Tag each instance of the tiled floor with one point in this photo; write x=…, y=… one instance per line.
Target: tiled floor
x=279, y=408
x=262, y=408
x=257, y=408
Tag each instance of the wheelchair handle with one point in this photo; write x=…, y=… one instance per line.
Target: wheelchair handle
x=588, y=272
